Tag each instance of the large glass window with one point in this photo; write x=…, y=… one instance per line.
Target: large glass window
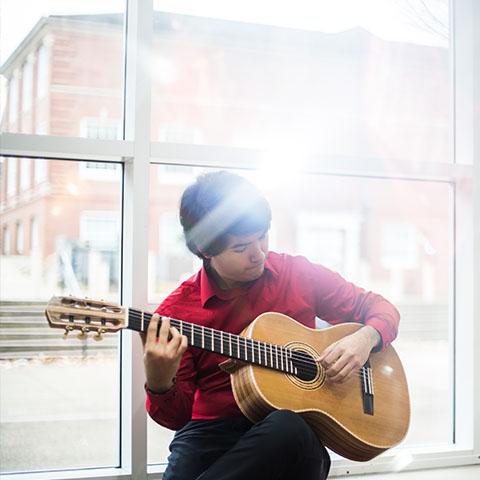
x=361, y=90
x=332, y=77
x=77, y=54
x=59, y=397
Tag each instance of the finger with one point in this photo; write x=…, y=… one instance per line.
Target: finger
x=152, y=329
x=143, y=338
x=327, y=352
x=331, y=357
x=183, y=345
x=164, y=331
x=344, y=374
x=175, y=341
x=336, y=367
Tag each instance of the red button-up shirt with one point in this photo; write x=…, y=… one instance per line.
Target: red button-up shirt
x=289, y=285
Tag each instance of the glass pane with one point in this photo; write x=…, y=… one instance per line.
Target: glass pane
x=62, y=67
x=60, y=236
x=339, y=77
x=388, y=236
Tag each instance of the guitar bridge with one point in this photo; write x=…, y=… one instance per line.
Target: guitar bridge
x=367, y=388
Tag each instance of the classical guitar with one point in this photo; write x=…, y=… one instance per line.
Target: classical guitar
x=273, y=366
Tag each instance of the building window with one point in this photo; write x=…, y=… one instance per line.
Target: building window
x=41, y=170
x=13, y=98
x=34, y=234
x=100, y=230
x=42, y=72
x=6, y=241
x=27, y=87
x=101, y=128
x=25, y=173
x=11, y=177
x=20, y=238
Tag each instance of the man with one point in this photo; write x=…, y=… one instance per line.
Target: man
x=226, y=221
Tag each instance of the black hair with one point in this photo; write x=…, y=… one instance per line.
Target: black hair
x=219, y=204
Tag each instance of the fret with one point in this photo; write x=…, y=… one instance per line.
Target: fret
x=191, y=335
x=271, y=355
x=253, y=350
x=221, y=342
x=246, y=354
x=276, y=356
x=210, y=335
x=142, y=328
x=203, y=337
x=265, y=351
x=181, y=328
x=281, y=359
x=230, y=343
x=238, y=347
x=185, y=330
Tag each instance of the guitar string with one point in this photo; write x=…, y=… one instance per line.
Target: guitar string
x=300, y=357
x=217, y=335
x=306, y=360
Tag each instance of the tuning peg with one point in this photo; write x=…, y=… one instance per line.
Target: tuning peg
x=83, y=334
x=68, y=329
x=99, y=335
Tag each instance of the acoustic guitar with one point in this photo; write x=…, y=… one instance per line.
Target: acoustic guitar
x=273, y=365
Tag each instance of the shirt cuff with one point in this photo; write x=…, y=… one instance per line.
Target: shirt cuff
x=163, y=395
x=381, y=328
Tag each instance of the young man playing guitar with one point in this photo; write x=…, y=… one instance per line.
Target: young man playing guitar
x=226, y=221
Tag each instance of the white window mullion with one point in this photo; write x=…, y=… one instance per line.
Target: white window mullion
x=466, y=18
x=135, y=224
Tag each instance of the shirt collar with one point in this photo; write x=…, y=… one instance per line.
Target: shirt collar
x=209, y=289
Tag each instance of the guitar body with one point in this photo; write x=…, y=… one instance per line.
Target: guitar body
x=334, y=411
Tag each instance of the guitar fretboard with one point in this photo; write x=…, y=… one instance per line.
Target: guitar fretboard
x=248, y=350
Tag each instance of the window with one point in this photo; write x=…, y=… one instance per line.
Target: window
x=6, y=241
x=73, y=241
x=11, y=176
x=25, y=173
x=40, y=171
x=34, y=235
x=13, y=97
x=99, y=230
x=20, y=245
x=351, y=85
x=27, y=87
x=361, y=98
x=43, y=70
x=101, y=128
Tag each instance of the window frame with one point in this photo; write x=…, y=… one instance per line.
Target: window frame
x=137, y=152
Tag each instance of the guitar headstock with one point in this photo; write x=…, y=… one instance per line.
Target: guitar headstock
x=86, y=315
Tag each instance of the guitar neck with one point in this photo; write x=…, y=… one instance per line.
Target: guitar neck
x=237, y=347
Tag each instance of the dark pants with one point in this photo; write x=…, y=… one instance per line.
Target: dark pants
x=280, y=447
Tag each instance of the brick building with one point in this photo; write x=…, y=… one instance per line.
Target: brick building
x=219, y=82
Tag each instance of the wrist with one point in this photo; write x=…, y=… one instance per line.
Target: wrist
x=159, y=388
x=373, y=336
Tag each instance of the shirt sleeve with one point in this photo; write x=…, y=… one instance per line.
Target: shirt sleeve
x=173, y=409
x=338, y=301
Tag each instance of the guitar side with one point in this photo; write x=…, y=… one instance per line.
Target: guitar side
x=334, y=411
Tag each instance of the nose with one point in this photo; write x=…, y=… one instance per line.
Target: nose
x=257, y=254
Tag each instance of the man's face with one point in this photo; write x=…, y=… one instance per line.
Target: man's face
x=242, y=260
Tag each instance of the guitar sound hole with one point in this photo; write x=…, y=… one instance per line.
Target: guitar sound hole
x=307, y=368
